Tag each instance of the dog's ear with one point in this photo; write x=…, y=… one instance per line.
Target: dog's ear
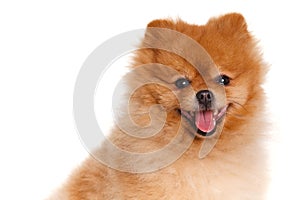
x=229, y=24
x=156, y=33
x=161, y=23
x=153, y=37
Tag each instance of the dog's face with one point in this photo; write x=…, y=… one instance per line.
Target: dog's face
x=185, y=92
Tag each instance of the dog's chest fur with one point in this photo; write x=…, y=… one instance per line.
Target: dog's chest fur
x=236, y=174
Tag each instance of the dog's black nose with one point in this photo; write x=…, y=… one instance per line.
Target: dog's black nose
x=205, y=97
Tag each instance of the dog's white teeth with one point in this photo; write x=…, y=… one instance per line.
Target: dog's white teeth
x=216, y=113
x=191, y=113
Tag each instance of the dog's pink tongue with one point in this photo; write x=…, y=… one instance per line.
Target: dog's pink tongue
x=205, y=121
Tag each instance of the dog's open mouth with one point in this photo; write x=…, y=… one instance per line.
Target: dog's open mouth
x=204, y=121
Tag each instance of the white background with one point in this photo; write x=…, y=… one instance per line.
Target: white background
x=43, y=45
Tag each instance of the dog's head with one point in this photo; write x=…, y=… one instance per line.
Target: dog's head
x=225, y=84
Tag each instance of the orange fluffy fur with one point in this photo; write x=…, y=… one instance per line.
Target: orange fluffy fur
x=236, y=167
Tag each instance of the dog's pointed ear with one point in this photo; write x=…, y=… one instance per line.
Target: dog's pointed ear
x=152, y=37
x=230, y=23
x=155, y=33
x=161, y=23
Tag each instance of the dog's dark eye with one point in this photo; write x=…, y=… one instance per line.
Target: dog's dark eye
x=223, y=80
x=182, y=83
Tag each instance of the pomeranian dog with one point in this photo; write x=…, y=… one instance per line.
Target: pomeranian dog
x=197, y=98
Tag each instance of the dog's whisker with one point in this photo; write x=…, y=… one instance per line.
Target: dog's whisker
x=235, y=115
x=235, y=103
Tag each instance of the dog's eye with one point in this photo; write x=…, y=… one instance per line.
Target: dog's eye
x=182, y=83
x=223, y=80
